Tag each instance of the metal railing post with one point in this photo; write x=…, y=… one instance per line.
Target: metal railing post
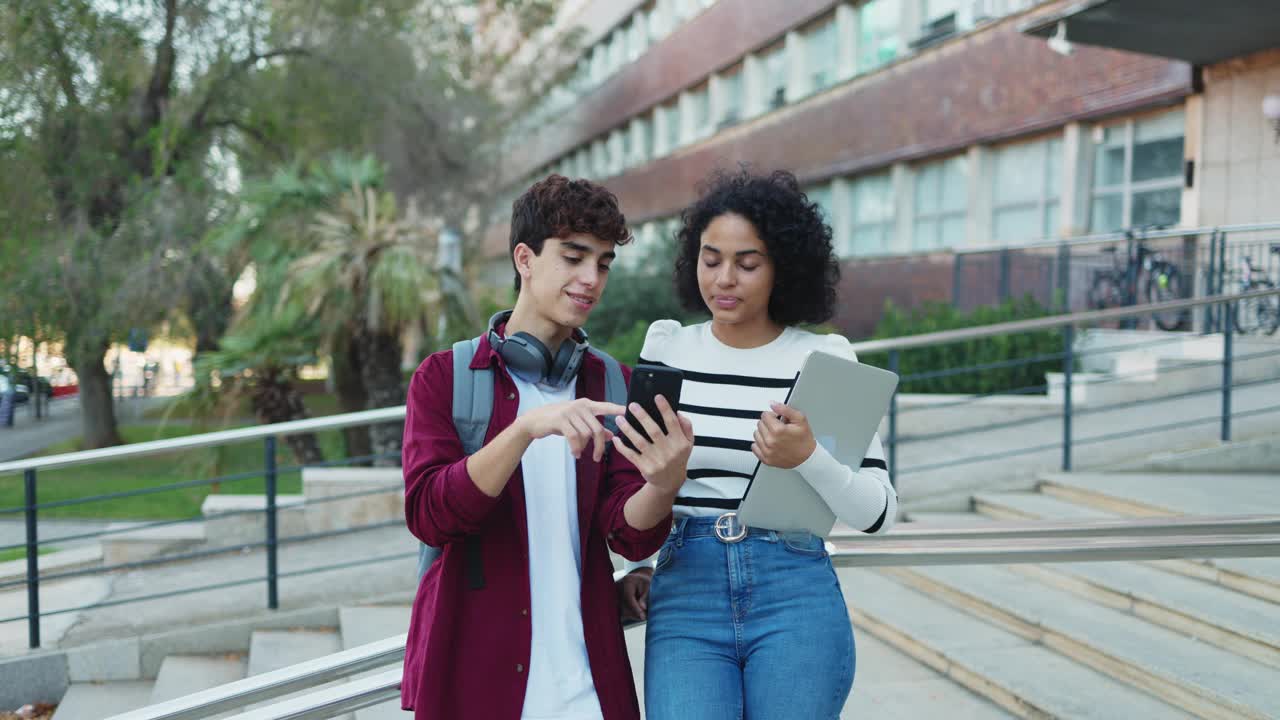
x=957, y=280
x=1223, y=319
x=1227, y=333
x=893, y=423
x=1004, y=276
x=1068, y=367
x=1210, y=281
x=33, y=566
x=1064, y=275
x=273, y=595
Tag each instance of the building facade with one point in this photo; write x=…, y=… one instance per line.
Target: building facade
x=924, y=128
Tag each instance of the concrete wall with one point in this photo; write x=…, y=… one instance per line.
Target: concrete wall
x=1240, y=170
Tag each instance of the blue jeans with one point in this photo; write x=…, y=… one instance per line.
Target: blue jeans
x=756, y=629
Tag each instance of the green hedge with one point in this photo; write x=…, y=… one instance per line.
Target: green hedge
x=936, y=317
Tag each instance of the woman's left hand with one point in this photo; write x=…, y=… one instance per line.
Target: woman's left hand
x=783, y=442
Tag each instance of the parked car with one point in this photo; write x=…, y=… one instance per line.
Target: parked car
x=22, y=384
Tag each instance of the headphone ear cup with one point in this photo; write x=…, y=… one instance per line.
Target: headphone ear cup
x=568, y=362
x=527, y=355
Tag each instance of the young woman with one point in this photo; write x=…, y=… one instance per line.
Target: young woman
x=755, y=626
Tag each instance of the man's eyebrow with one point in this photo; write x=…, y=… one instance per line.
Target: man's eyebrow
x=740, y=253
x=579, y=247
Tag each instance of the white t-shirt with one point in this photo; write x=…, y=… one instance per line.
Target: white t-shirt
x=560, y=684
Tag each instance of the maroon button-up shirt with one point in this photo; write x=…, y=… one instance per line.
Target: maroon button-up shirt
x=468, y=650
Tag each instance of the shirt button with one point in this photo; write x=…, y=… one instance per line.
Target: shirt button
x=519, y=668
x=524, y=611
x=511, y=396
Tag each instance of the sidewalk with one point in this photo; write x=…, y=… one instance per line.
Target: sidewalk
x=60, y=423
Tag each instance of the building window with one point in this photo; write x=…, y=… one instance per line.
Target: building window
x=672, y=113
x=639, y=33
x=879, y=33
x=775, y=77
x=942, y=196
x=822, y=55
x=731, y=98
x=822, y=196
x=645, y=145
x=871, y=202
x=1025, y=189
x=1137, y=173
x=583, y=163
x=700, y=110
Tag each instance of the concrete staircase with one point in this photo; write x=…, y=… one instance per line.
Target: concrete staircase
x=1177, y=638
x=269, y=649
x=1168, y=639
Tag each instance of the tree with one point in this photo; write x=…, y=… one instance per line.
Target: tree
x=368, y=276
x=123, y=114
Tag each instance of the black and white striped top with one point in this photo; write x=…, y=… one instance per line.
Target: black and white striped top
x=725, y=391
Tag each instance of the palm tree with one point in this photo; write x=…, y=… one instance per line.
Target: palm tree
x=368, y=276
x=259, y=359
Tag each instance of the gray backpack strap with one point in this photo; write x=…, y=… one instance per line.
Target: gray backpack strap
x=472, y=396
x=615, y=385
x=472, y=408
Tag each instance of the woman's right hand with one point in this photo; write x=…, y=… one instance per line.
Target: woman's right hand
x=633, y=594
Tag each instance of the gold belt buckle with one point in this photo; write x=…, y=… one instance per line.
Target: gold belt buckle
x=728, y=529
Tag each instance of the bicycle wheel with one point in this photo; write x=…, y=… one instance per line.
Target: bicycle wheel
x=1257, y=314
x=1165, y=284
x=1105, y=292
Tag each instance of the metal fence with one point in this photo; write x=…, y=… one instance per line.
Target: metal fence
x=1062, y=442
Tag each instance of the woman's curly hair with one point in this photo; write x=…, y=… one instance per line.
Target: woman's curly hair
x=558, y=207
x=806, y=271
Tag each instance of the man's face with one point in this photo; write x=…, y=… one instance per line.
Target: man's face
x=567, y=279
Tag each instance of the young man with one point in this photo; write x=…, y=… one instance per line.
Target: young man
x=518, y=619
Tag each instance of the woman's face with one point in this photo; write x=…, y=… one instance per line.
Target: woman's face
x=735, y=272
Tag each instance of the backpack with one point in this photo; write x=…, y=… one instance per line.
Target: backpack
x=472, y=407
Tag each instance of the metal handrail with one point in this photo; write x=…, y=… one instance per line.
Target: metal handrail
x=276, y=683
x=393, y=414
x=1047, y=323
x=1038, y=529
x=221, y=437
x=1120, y=236
x=925, y=547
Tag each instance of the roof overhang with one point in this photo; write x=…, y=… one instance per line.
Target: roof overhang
x=1201, y=32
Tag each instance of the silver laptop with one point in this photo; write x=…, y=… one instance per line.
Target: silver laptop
x=844, y=402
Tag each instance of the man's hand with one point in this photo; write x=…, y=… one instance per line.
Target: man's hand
x=664, y=461
x=783, y=442
x=633, y=594
x=577, y=421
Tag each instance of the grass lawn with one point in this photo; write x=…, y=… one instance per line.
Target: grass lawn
x=21, y=553
x=317, y=403
x=110, y=477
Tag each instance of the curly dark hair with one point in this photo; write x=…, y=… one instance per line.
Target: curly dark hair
x=806, y=271
x=558, y=207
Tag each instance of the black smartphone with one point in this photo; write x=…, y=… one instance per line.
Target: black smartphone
x=647, y=383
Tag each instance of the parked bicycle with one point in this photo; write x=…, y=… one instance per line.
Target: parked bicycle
x=1258, y=315
x=1159, y=278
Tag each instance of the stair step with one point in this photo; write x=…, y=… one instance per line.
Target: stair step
x=1023, y=677
x=947, y=519
x=274, y=649
x=1233, y=621
x=1259, y=577
x=890, y=684
x=1198, y=677
x=1166, y=493
x=363, y=625
x=182, y=675
x=1033, y=506
x=94, y=701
